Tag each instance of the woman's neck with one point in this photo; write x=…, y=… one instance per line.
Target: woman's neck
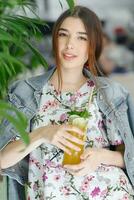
x=71, y=80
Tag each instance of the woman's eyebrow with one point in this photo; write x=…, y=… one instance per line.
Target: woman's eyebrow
x=63, y=29
x=82, y=33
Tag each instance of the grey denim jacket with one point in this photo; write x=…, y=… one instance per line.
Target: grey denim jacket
x=113, y=101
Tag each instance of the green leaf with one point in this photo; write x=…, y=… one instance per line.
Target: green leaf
x=61, y=4
x=7, y=68
x=38, y=55
x=82, y=113
x=71, y=4
x=2, y=76
x=17, y=118
x=12, y=59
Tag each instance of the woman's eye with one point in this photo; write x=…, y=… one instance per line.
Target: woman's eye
x=82, y=38
x=62, y=34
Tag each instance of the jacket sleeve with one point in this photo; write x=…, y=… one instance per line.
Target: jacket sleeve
x=131, y=112
x=129, y=151
x=7, y=130
x=8, y=133
x=18, y=98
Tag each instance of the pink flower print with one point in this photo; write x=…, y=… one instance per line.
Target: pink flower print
x=95, y=192
x=117, y=142
x=65, y=190
x=122, y=180
x=73, y=99
x=54, y=103
x=35, y=186
x=35, y=162
x=104, y=168
x=31, y=160
x=85, y=184
x=48, y=163
x=58, y=168
x=55, y=91
x=104, y=193
x=38, y=165
x=99, y=139
x=57, y=177
x=90, y=83
x=63, y=117
x=84, y=188
x=89, y=178
x=78, y=94
x=109, y=121
x=49, y=104
x=44, y=177
x=125, y=197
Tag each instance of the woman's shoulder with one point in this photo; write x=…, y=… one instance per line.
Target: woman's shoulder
x=107, y=81
x=112, y=89
x=35, y=82
x=107, y=85
x=28, y=83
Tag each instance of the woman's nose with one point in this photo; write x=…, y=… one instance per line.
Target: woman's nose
x=69, y=44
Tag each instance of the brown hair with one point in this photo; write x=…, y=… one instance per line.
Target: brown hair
x=94, y=31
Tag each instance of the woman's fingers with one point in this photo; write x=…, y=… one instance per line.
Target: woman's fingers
x=67, y=140
x=72, y=138
x=69, y=128
x=69, y=144
x=62, y=147
x=86, y=153
x=81, y=169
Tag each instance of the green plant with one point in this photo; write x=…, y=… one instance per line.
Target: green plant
x=16, y=34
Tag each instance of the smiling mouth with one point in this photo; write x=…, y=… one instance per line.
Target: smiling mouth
x=68, y=56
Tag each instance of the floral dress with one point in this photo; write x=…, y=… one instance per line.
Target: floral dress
x=47, y=177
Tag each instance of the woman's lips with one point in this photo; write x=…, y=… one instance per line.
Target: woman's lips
x=68, y=56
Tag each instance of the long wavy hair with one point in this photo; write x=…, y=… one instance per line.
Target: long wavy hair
x=94, y=32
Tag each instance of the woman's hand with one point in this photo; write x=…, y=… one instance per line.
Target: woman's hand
x=59, y=136
x=90, y=160
x=93, y=157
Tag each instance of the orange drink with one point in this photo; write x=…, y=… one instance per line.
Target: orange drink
x=81, y=123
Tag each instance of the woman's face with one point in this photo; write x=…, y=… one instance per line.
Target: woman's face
x=73, y=43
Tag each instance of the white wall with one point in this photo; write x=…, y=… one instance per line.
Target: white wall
x=115, y=12
x=103, y=8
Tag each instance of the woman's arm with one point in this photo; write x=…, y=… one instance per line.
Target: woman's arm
x=57, y=135
x=116, y=157
x=17, y=150
x=93, y=157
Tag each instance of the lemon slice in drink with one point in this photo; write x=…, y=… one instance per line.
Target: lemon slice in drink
x=72, y=117
x=80, y=122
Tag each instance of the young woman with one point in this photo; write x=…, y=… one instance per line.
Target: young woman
x=46, y=100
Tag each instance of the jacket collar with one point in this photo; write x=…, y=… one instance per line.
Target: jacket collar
x=38, y=82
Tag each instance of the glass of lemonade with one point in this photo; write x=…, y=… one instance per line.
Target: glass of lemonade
x=81, y=123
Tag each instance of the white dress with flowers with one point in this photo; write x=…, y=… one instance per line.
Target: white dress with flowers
x=48, y=180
